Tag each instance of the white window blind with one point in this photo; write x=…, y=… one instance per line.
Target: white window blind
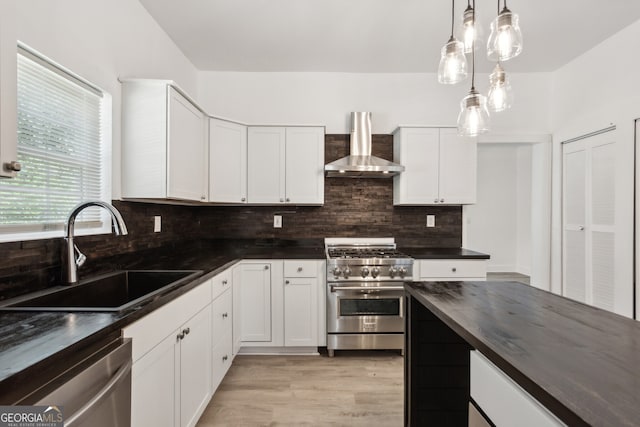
x=61, y=148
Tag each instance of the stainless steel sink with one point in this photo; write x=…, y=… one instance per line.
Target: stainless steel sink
x=111, y=292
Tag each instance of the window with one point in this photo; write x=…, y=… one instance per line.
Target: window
x=64, y=154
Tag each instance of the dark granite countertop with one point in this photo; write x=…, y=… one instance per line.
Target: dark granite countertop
x=442, y=253
x=34, y=344
x=578, y=361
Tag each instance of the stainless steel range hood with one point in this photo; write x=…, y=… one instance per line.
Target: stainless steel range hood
x=360, y=163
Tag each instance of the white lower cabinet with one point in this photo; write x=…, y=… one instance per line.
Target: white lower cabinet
x=222, y=350
x=171, y=374
x=504, y=401
x=281, y=303
x=450, y=269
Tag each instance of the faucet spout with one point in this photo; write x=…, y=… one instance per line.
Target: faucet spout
x=70, y=263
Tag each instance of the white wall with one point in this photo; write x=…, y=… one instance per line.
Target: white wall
x=394, y=99
x=595, y=90
x=523, y=209
x=102, y=40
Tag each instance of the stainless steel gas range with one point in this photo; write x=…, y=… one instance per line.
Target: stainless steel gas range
x=365, y=294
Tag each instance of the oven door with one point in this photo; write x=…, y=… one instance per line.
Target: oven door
x=356, y=308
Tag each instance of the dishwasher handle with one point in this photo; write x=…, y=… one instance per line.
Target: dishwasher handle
x=100, y=395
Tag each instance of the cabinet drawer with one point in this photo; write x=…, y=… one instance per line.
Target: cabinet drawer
x=301, y=268
x=222, y=315
x=504, y=401
x=222, y=358
x=432, y=269
x=220, y=283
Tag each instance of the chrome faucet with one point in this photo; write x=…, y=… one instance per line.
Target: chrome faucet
x=71, y=261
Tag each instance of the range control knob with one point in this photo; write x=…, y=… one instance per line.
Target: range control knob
x=364, y=272
x=392, y=272
x=375, y=272
x=336, y=272
x=402, y=271
x=346, y=272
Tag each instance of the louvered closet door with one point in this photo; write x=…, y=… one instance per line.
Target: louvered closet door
x=589, y=208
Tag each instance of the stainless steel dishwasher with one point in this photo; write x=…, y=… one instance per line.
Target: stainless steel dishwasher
x=95, y=392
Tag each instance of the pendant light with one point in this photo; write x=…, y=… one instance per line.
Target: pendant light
x=500, y=96
x=469, y=31
x=505, y=41
x=453, y=64
x=474, y=116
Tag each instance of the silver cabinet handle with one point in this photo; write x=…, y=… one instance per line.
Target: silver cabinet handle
x=435, y=201
x=581, y=228
x=180, y=336
x=299, y=269
x=334, y=288
x=186, y=331
x=454, y=269
x=266, y=267
x=202, y=198
x=244, y=199
x=13, y=166
x=286, y=282
x=224, y=358
x=441, y=200
x=288, y=200
x=225, y=315
x=281, y=200
x=224, y=282
x=99, y=396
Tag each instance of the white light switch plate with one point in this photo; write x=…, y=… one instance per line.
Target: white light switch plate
x=431, y=220
x=157, y=224
x=277, y=221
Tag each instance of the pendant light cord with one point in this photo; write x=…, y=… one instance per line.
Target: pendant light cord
x=453, y=15
x=473, y=51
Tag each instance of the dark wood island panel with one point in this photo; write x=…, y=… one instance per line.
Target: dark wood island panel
x=580, y=362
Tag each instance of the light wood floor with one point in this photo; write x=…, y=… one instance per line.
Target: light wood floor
x=355, y=388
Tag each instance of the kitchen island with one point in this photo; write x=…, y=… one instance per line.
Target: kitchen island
x=579, y=362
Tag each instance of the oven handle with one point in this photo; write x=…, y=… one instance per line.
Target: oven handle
x=335, y=288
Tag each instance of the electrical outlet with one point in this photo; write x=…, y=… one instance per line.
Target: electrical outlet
x=277, y=221
x=157, y=224
x=431, y=220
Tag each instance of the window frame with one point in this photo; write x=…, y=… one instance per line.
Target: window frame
x=12, y=233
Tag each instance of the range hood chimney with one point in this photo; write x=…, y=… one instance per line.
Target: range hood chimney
x=360, y=163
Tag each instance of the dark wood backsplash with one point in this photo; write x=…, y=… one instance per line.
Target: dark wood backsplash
x=353, y=207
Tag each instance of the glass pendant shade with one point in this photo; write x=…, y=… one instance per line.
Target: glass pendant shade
x=453, y=63
x=474, y=116
x=469, y=32
x=500, y=94
x=505, y=41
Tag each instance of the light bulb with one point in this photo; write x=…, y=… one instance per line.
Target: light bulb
x=505, y=41
x=469, y=31
x=500, y=94
x=453, y=63
x=474, y=116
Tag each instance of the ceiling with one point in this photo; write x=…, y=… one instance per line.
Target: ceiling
x=374, y=36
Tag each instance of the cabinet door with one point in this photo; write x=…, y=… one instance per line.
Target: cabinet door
x=418, y=150
x=458, y=165
x=265, y=165
x=195, y=367
x=154, y=385
x=227, y=162
x=187, y=160
x=8, y=87
x=304, y=165
x=301, y=312
x=255, y=294
x=236, y=331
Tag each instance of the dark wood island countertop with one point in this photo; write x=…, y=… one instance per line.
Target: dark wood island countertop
x=580, y=362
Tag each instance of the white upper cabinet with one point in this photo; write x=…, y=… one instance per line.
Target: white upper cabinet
x=265, y=164
x=440, y=167
x=164, y=143
x=285, y=165
x=8, y=90
x=227, y=162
